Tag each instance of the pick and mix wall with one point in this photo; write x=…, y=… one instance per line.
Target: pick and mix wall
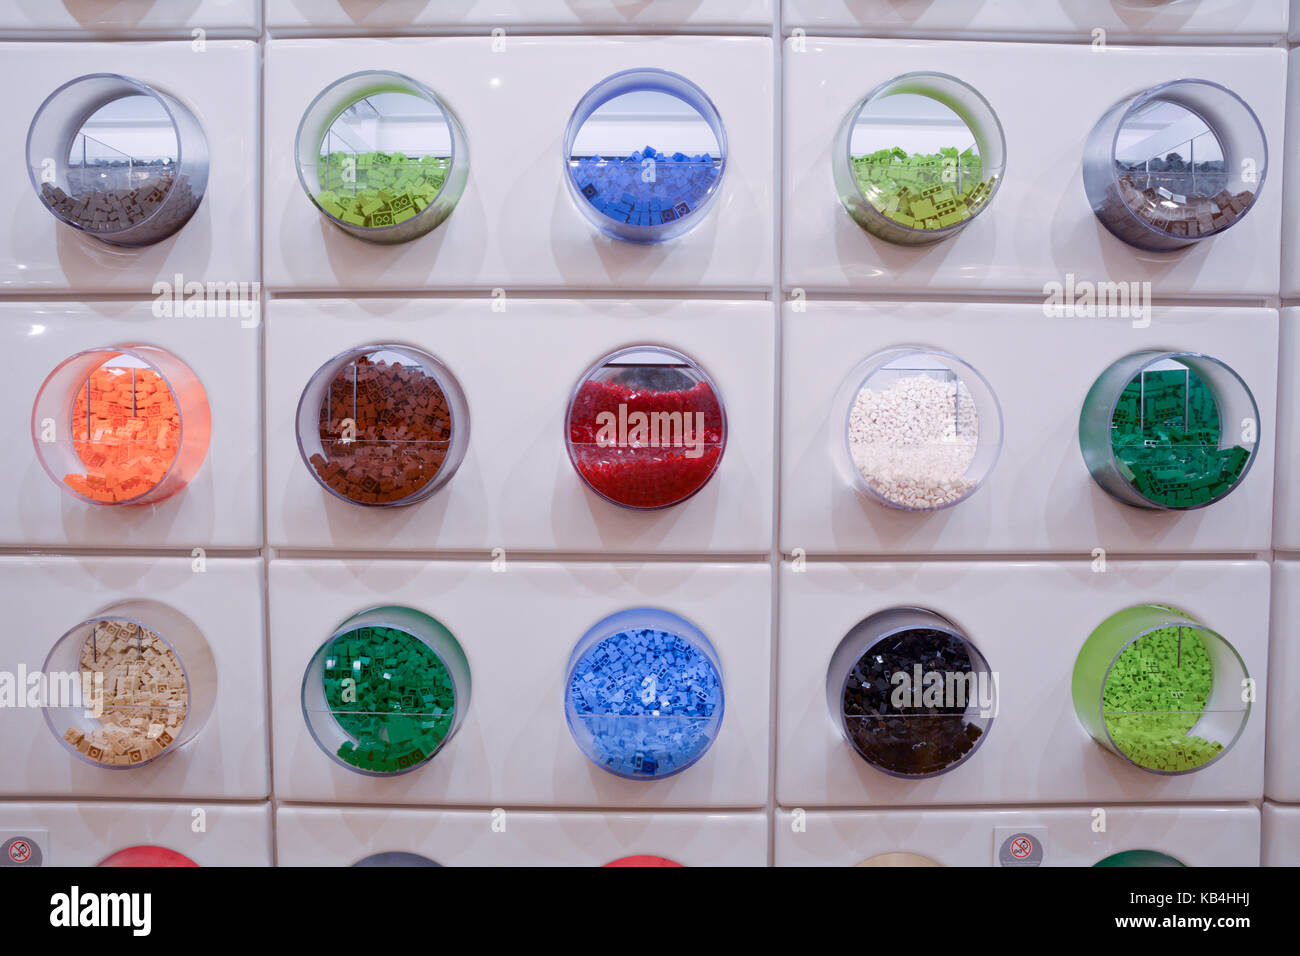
x=575, y=432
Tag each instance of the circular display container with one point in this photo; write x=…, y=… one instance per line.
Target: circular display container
x=645, y=153
x=148, y=856
x=396, y=858
x=1140, y=858
x=926, y=724
x=919, y=158
x=644, y=697
x=646, y=427
x=130, y=685
x=1169, y=430
x=899, y=859
x=1175, y=164
x=643, y=861
x=921, y=429
x=117, y=160
x=387, y=691
x=382, y=157
x=1160, y=690
x=383, y=425
x=126, y=425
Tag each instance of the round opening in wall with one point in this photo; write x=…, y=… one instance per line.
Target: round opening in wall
x=1140, y=858
x=919, y=158
x=383, y=425
x=899, y=859
x=136, y=682
x=396, y=858
x=644, y=694
x=1161, y=690
x=1175, y=164
x=645, y=152
x=922, y=429
x=148, y=856
x=646, y=427
x=382, y=157
x=910, y=693
x=387, y=691
x=1169, y=430
x=643, y=861
x=117, y=159
x=126, y=425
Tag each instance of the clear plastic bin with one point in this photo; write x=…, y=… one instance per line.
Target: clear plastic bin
x=127, y=425
x=386, y=692
x=382, y=157
x=919, y=158
x=383, y=425
x=1175, y=164
x=1171, y=431
x=920, y=429
x=130, y=685
x=1160, y=690
x=646, y=427
x=644, y=695
x=645, y=153
x=910, y=693
x=117, y=160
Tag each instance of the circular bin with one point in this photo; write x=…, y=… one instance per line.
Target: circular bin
x=117, y=159
x=1140, y=858
x=396, y=858
x=899, y=859
x=646, y=427
x=886, y=702
x=637, y=192
x=126, y=425
x=643, y=861
x=644, y=695
x=386, y=692
x=919, y=158
x=147, y=856
x=1169, y=430
x=921, y=429
x=383, y=425
x=381, y=156
x=1160, y=690
x=130, y=685
x=1175, y=164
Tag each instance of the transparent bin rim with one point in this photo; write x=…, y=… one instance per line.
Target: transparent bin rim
x=1175, y=618
x=880, y=626
x=197, y=713
x=405, y=620
x=679, y=358
x=150, y=356
x=1161, y=93
x=400, y=83
x=992, y=150
x=656, y=80
x=982, y=395
x=142, y=89
x=1132, y=365
x=307, y=417
x=634, y=619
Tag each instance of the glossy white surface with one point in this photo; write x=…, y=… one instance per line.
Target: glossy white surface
x=1039, y=227
x=48, y=596
x=517, y=626
x=516, y=488
x=219, y=244
x=516, y=225
x=1029, y=620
